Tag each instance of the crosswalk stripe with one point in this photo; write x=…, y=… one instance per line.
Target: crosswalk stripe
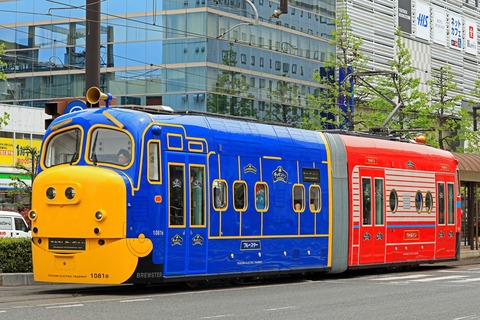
x=439, y=278
x=467, y=280
x=413, y=276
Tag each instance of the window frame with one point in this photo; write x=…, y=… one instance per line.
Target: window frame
x=266, y=196
x=245, y=195
x=223, y=195
x=295, y=199
x=319, y=206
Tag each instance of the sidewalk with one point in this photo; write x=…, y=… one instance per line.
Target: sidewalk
x=24, y=279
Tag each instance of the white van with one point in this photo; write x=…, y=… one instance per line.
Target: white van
x=12, y=225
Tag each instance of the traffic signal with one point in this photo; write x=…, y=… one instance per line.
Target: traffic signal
x=284, y=6
x=51, y=108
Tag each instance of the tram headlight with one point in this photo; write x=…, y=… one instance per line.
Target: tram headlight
x=100, y=215
x=32, y=215
x=70, y=193
x=51, y=193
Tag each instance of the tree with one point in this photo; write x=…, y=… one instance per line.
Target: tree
x=333, y=104
x=401, y=89
x=18, y=186
x=451, y=123
x=3, y=119
x=283, y=100
x=231, y=89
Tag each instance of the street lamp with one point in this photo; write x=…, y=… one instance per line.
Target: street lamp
x=243, y=23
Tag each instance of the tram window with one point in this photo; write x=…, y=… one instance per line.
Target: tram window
x=419, y=201
x=240, y=195
x=393, y=201
x=429, y=202
x=64, y=147
x=315, y=199
x=197, y=195
x=298, y=198
x=219, y=195
x=176, y=194
x=153, y=161
x=441, y=202
x=451, y=204
x=367, y=201
x=261, y=197
x=379, y=202
x=105, y=144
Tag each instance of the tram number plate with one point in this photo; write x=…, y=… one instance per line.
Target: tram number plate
x=66, y=244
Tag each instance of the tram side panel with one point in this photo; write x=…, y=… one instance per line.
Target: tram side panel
x=396, y=205
x=284, y=238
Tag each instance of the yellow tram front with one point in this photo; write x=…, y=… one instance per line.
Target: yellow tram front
x=79, y=203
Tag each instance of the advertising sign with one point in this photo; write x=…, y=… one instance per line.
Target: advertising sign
x=456, y=27
x=423, y=20
x=471, y=36
x=439, y=26
x=13, y=151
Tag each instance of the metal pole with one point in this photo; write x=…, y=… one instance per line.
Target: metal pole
x=92, y=51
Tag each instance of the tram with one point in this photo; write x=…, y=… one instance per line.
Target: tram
x=151, y=196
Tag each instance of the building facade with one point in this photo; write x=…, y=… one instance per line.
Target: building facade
x=24, y=129
x=227, y=56
x=436, y=32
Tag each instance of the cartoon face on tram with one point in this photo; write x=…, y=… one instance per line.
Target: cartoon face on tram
x=126, y=196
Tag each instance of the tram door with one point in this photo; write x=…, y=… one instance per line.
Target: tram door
x=372, y=216
x=186, y=239
x=445, y=230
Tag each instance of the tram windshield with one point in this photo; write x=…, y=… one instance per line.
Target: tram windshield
x=110, y=146
x=64, y=147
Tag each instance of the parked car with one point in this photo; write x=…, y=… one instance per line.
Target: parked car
x=12, y=225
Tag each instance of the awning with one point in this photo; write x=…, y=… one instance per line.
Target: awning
x=469, y=166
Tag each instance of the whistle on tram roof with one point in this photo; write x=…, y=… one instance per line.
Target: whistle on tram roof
x=94, y=95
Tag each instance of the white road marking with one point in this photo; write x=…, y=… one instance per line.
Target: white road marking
x=438, y=278
x=219, y=316
x=413, y=276
x=282, y=308
x=66, y=306
x=136, y=300
x=467, y=280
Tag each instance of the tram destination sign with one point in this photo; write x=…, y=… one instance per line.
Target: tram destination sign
x=66, y=244
x=311, y=175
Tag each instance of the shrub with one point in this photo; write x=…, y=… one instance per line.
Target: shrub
x=15, y=255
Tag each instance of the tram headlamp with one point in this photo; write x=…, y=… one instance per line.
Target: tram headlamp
x=51, y=193
x=70, y=193
x=32, y=215
x=100, y=215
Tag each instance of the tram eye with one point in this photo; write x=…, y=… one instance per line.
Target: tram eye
x=32, y=215
x=70, y=193
x=51, y=193
x=98, y=215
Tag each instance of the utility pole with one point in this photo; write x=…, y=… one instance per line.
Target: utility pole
x=92, y=50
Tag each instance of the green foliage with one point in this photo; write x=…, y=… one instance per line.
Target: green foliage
x=18, y=186
x=231, y=90
x=402, y=89
x=451, y=123
x=348, y=56
x=15, y=255
x=3, y=119
x=284, y=99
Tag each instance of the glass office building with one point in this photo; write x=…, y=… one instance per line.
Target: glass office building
x=207, y=55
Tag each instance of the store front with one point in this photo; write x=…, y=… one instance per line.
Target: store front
x=469, y=167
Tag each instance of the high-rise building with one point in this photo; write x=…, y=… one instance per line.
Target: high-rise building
x=227, y=56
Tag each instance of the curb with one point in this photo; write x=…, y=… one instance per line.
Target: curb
x=25, y=279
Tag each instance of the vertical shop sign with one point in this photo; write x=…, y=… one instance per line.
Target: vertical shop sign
x=405, y=15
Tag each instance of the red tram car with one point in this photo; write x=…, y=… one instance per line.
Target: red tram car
x=403, y=203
